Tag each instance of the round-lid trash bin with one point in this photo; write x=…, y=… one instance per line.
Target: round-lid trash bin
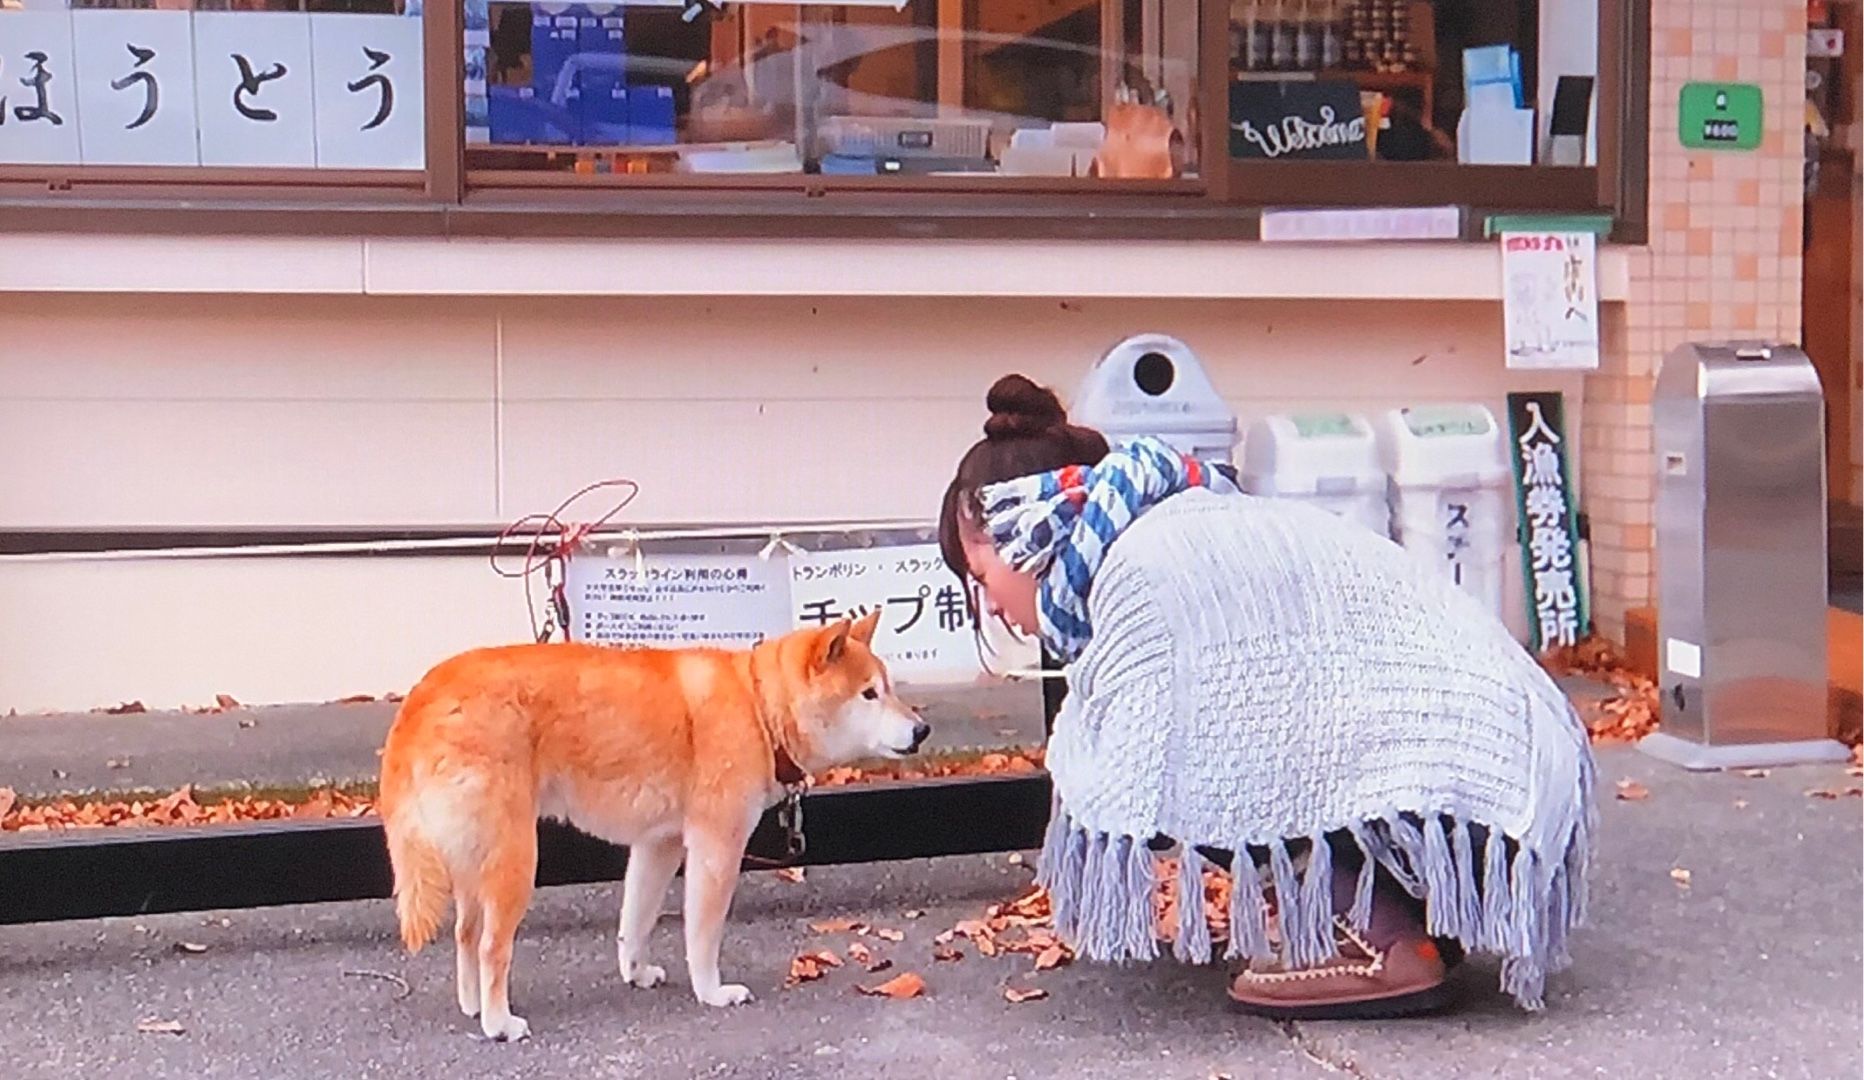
x=1329, y=459
x=1153, y=384
x=1451, y=498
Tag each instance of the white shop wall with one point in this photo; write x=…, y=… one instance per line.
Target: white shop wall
x=199, y=412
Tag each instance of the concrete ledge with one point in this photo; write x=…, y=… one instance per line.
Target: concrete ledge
x=394, y=266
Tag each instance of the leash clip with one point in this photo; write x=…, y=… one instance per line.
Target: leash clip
x=790, y=816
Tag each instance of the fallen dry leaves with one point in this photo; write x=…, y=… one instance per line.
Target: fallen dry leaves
x=1016, y=995
x=150, y=1025
x=1017, y=762
x=1165, y=902
x=1835, y=793
x=181, y=808
x=1681, y=876
x=899, y=988
x=865, y=957
x=1632, y=791
x=177, y=808
x=810, y=966
x=1627, y=716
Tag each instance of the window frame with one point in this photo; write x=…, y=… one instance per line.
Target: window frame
x=1224, y=202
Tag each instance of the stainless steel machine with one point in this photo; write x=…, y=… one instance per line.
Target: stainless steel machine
x=1741, y=590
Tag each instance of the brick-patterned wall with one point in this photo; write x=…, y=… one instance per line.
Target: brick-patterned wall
x=1723, y=261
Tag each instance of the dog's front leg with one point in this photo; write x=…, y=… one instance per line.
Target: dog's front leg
x=711, y=876
x=651, y=866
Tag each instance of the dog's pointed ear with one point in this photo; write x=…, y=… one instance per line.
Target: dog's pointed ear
x=831, y=644
x=863, y=630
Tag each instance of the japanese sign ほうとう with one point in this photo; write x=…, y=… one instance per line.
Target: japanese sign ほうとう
x=1549, y=527
x=100, y=86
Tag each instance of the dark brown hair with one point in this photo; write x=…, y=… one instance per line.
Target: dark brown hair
x=1027, y=432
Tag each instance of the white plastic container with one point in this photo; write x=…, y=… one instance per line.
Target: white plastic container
x=1327, y=459
x=1451, y=498
x=1152, y=384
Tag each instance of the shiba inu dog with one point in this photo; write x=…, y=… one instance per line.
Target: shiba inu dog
x=676, y=753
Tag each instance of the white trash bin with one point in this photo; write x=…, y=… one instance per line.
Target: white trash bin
x=1451, y=495
x=1152, y=384
x=1327, y=459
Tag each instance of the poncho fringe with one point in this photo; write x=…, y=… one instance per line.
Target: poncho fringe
x=1520, y=909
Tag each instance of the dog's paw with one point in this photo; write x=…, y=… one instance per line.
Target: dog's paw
x=645, y=976
x=511, y=1029
x=727, y=995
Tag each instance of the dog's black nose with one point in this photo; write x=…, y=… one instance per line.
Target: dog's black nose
x=921, y=732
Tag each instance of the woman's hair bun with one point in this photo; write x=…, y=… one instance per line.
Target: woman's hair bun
x=1019, y=409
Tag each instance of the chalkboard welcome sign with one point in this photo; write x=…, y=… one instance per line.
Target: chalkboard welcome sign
x=1282, y=121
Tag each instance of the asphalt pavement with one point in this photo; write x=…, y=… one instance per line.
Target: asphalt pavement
x=1751, y=969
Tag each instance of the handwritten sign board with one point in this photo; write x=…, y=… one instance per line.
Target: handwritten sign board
x=1549, y=524
x=106, y=86
x=675, y=600
x=1550, y=300
x=925, y=631
x=1297, y=121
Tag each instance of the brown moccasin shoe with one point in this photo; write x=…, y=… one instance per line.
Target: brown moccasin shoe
x=1363, y=982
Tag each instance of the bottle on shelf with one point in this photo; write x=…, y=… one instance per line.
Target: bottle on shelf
x=1333, y=35
x=1278, y=16
x=1306, y=35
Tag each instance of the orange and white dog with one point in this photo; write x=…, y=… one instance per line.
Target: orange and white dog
x=676, y=753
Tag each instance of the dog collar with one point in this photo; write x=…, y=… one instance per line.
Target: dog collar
x=789, y=774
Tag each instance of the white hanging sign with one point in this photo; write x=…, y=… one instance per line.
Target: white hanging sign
x=671, y=601
x=369, y=92
x=1550, y=300
x=925, y=633
x=254, y=88
x=136, y=87
x=38, y=89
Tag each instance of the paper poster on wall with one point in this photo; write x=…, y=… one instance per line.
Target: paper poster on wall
x=38, y=89
x=368, y=90
x=925, y=632
x=670, y=601
x=253, y=88
x=1550, y=300
x=136, y=87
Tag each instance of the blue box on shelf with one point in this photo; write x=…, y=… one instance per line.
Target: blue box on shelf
x=518, y=116
x=601, y=29
x=604, y=110
x=555, y=32
x=650, y=115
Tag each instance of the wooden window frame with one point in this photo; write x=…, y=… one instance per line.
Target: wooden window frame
x=1224, y=202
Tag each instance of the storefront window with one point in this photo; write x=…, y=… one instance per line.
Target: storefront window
x=261, y=84
x=1474, y=82
x=1038, y=89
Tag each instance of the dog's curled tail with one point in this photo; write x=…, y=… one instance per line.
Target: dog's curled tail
x=422, y=884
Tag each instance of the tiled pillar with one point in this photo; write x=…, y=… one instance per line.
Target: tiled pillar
x=1723, y=261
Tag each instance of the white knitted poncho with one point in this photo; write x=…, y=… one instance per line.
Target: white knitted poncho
x=1262, y=671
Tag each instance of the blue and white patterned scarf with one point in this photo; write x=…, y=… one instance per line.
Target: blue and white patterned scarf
x=1059, y=524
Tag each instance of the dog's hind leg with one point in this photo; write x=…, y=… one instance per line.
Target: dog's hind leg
x=467, y=919
x=712, y=862
x=504, y=890
x=651, y=866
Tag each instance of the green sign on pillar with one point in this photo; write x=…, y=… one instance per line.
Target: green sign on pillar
x=1719, y=116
